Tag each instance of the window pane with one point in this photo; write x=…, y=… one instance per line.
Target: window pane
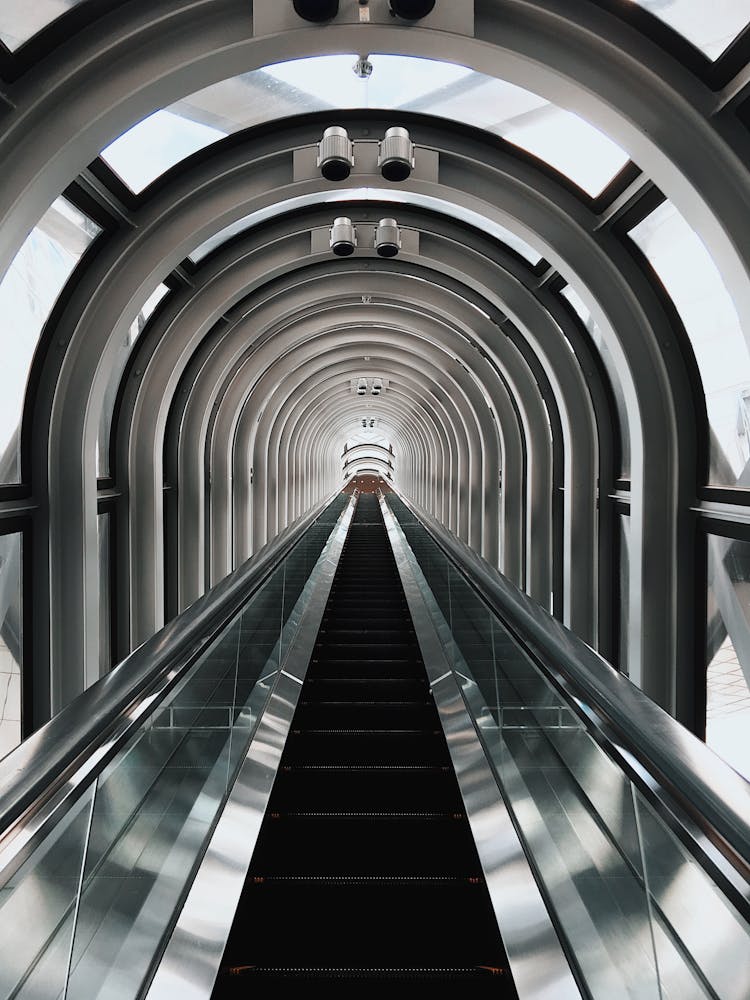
x=692, y=279
x=103, y=526
x=27, y=294
x=118, y=367
x=11, y=641
x=728, y=652
x=564, y=140
x=710, y=27
x=611, y=368
x=22, y=19
x=154, y=145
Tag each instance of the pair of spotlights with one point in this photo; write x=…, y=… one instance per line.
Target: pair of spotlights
x=319, y=11
x=395, y=154
x=343, y=238
x=377, y=387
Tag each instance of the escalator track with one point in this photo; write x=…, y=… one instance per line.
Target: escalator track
x=365, y=868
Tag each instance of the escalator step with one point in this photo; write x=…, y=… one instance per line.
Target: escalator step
x=383, y=749
x=365, y=869
x=356, y=844
x=411, y=921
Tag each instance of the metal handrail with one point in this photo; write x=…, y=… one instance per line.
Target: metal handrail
x=46, y=759
x=719, y=796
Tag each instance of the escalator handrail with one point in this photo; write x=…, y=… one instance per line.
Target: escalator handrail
x=720, y=797
x=50, y=754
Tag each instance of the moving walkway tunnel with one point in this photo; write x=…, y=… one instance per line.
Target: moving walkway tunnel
x=366, y=757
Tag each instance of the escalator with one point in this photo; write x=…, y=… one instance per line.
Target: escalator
x=367, y=761
x=365, y=857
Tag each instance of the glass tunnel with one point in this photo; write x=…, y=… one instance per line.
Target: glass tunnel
x=375, y=497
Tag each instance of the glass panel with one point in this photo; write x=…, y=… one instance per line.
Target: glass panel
x=623, y=890
x=624, y=591
x=712, y=32
x=692, y=279
x=154, y=145
x=11, y=640
x=156, y=803
x=118, y=367
x=687, y=907
x=20, y=20
x=27, y=294
x=728, y=652
x=486, y=225
x=38, y=909
x=561, y=138
x=584, y=314
x=103, y=525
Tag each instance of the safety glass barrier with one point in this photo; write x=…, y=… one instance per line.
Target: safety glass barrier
x=639, y=915
x=88, y=909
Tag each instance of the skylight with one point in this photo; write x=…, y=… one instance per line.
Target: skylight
x=562, y=139
x=710, y=26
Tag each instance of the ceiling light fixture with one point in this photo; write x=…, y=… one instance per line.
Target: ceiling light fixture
x=316, y=10
x=411, y=10
x=335, y=154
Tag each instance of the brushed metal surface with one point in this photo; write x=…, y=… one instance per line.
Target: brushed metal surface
x=536, y=957
x=191, y=960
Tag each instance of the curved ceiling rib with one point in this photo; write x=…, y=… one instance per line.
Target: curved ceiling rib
x=506, y=408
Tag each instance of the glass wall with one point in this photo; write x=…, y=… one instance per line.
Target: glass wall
x=20, y=20
x=728, y=651
x=11, y=640
x=694, y=284
x=28, y=292
x=562, y=139
x=690, y=18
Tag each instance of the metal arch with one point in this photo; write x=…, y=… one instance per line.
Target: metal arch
x=255, y=359
x=367, y=448
x=438, y=414
x=418, y=439
x=503, y=411
x=362, y=466
x=297, y=444
x=440, y=385
x=392, y=369
x=332, y=312
x=200, y=403
x=490, y=385
x=150, y=56
x=667, y=591
x=417, y=434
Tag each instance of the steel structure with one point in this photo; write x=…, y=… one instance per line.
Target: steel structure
x=546, y=399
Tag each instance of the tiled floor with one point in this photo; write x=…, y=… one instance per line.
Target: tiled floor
x=10, y=701
x=728, y=709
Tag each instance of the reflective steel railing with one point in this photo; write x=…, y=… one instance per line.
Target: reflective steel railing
x=596, y=778
x=88, y=894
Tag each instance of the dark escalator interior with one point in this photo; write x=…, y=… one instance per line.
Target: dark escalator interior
x=365, y=868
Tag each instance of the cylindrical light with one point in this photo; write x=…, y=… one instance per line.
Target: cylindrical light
x=343, y=237
x=387, y=238
x=362, y=387
x=377, y=386
x=411, y=10
x=396, y=154
x=316, y=10
x=335, y=154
